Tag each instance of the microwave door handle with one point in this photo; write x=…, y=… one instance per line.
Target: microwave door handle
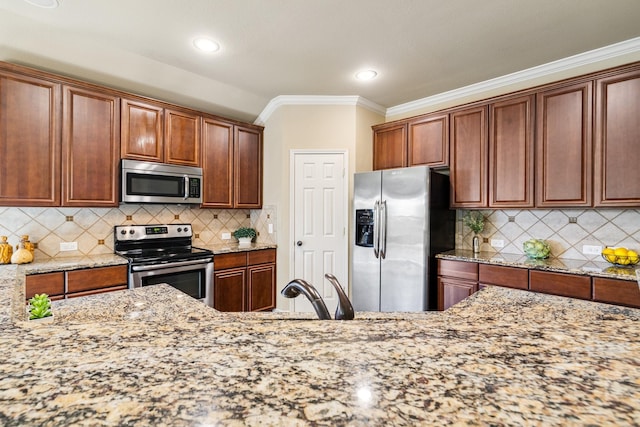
x=186, y=187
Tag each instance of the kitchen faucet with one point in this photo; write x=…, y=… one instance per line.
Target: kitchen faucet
x=299, y=286
x=344, y=310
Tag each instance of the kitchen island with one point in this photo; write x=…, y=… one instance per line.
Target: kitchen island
x=154, y=356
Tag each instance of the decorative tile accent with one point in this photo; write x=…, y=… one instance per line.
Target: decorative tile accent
x=92, y=228
x=565, y=230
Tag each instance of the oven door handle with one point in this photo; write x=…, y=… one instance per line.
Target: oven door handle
x=170, y=265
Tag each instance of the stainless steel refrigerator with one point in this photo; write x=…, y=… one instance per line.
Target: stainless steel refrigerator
x=402, y=220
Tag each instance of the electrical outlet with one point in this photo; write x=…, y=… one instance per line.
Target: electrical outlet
x=591, y=249
x=497, y=243
x=68, y=246
x=226, y=236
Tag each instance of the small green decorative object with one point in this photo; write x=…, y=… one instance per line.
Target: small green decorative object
x=39, y=307
x=475, y=221
x=536, y=249
x=244, y=232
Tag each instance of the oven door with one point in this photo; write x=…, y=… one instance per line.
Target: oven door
x=193, y=277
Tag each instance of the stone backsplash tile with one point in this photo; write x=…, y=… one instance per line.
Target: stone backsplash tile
x=601, y=227
x=92, y=228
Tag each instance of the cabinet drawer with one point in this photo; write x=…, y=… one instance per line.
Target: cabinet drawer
x=97, y=291
x=510, y=277
x=615, y=291
x=48, y=283
x=96, y=278
x=231, y=260
x=560, y=284
x=459, y=269
x=262, y=256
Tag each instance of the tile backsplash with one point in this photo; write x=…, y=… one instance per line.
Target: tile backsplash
x=566, y=230
x=92, y=228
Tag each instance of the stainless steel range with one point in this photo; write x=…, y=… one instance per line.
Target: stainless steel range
x=162, y=253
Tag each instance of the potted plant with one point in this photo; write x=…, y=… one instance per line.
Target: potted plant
x=475, y=221
x=40, y=307
x=244, y=235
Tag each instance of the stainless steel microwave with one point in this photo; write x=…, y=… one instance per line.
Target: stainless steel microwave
x=148, y=182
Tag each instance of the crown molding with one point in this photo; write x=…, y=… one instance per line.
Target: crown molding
x=281, y=100
x=626, y=47
x=566, y=64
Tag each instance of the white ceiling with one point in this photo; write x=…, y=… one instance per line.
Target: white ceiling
x=305, y=47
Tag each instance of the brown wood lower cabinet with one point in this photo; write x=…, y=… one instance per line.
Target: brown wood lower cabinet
x=51, y=284
x=566, y=285
x=77, y=283
x=459, y=279
x=96, y=280
x=510, y=277
x=456, y=281
x=613, y=291
x=245, y=281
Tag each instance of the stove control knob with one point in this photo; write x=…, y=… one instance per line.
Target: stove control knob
x=123, y=232
x=131, y=231
x=179, y=229
x=186, y=229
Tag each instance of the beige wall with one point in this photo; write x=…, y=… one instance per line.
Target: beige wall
x=309, y=127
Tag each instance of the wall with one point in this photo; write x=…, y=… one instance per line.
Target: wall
x=309, y=127
x=92, y=228
x=601, y=227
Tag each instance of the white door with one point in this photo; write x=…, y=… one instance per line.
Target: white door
x=319, y=191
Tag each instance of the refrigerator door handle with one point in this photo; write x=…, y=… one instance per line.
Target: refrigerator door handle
x=383, y=229
x=376, y=231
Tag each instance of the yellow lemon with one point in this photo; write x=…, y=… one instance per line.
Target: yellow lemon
x=633, y=257
x=621, y=256
x=608, y=254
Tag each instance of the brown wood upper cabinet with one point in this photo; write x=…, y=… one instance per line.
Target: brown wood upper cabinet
x=153, y=133
x=429, y=141
x=232, y=165
x=469, y=151
x=90, y=147
x=564, y=146
x=423, y=140
x=390, y=146
x=617, y=140
x=511, y=152
x=29, y=140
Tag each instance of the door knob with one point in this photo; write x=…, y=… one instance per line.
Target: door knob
x=299, y=243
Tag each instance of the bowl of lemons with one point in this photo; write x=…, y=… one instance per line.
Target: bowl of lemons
x=620, y=256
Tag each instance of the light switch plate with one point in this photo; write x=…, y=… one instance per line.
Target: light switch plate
x=226, y=236
x=591, y=249
x=497, y=243
x=270, y=228
x=68, y=246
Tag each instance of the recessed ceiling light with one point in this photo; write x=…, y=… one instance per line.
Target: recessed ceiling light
x=47, y=4
x=366, y=75
x=205, y=44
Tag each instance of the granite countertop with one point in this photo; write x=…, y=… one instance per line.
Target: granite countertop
x=559, y=265
x=47, y=265
x=154, y=356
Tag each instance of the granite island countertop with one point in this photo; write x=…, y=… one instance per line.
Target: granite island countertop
x=558, y=265
x=154, y=356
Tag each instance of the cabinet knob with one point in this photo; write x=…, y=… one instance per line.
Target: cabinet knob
x=299, y=243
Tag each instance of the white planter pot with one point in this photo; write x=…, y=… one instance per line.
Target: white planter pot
x=244, y=241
